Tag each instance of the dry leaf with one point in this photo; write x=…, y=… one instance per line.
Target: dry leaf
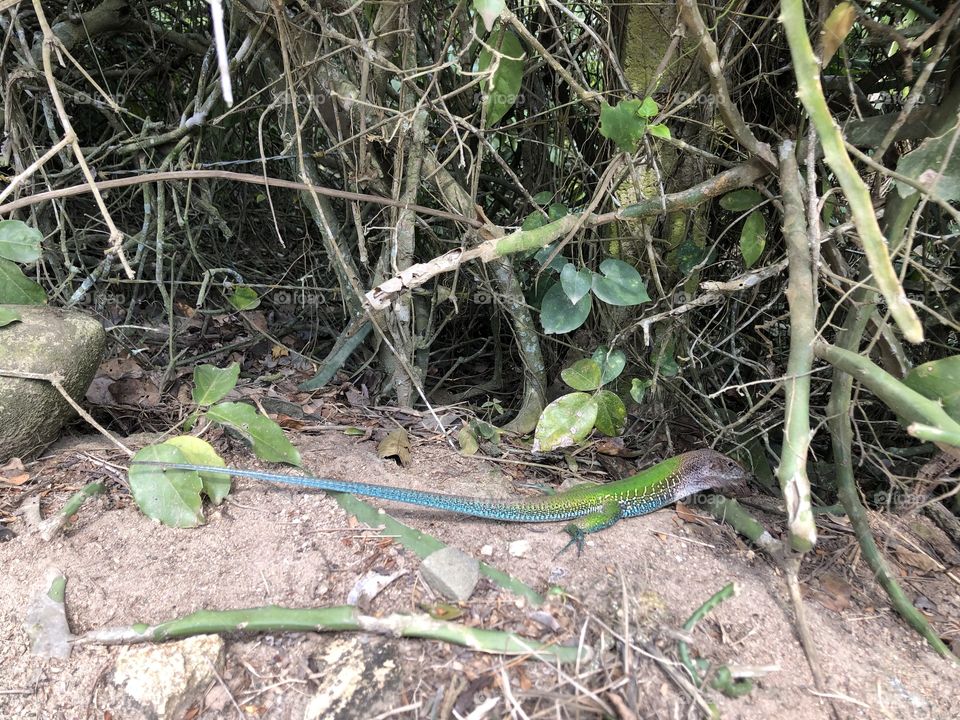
x=13, y=473
x=836, y=28
x=396, y=445
x=918, y=560
x=687, y=515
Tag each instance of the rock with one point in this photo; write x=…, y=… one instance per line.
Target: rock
x=519, y=548
x=359, y=678
x=451, y=572
x=163, y=681
x=47, y=341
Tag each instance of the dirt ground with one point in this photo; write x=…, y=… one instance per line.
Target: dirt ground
x=273, y=545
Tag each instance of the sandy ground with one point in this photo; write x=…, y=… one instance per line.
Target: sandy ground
x=270, y=545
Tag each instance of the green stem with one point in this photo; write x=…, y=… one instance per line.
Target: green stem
x=807, y=71
x=329, y=619
x=722, y=679
x=908, y=404
x=792, y=472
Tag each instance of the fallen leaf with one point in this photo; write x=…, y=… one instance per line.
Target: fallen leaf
x=918, y=560
x=13, y=473
x=396, y=445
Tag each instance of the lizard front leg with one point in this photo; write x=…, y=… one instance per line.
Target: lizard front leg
x=593, y=522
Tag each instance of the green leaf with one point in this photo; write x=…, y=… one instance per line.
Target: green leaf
x=648, y=108
x=506, y=74
x=741, y=200
x=558, y=315
x=543, y=197
x=665, y=360
x=19, y=242
x=938, y=380
x=620, y=284
x=611, y=413
x=659, y=130
x=534, y=220
x=566, y=421
x=16, y=288
x=170, y=496
x=244, y=298
x=211, y=384
x=576, y=283
x=200, y=452
x=753, y=238
x=557, y=211
x=8, y=315
x=623, y=124
x=638, y=388
x=263, y=434
x=582, y=375
x=489, y=11
x=486, y=430
x=467, y=440
x=558, y=261
x=687, y=255
x=924, y=163
x=611, y=363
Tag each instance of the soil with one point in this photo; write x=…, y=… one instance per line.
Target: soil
x=641, y=578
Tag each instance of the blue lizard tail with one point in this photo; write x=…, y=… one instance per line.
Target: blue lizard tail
x=535, y=509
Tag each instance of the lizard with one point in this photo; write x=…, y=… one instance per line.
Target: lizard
x=592, y=507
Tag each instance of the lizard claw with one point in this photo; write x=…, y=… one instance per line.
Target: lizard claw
x=577, y=537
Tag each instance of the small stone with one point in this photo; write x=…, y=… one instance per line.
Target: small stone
x=487, y=551
x=451, y=573
x=519, y=548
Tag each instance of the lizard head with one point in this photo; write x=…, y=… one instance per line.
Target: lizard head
x=710, y=470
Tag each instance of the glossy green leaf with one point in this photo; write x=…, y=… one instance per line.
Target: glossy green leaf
x=506, y=67
x=264, y=435
x=489, y=11
x=741, y=200
x=582, y=375
x=659, y=130
x=200, y=452
x=8, y=315
x=558, y=315
x=566, y=421
x=576, y=283
x=244, y=298
x=938, y=380
x=623, y=124
x=16, y=288
x=611, y=363
x=620, y=284
x=170, y=496
x=611, y=413
x=543, y=253
x=211, y=384
x=753, y=238
x=638, y=389
x=19, y=242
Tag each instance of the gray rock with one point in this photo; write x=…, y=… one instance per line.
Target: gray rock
x=163, y=681
x=47, y=341
x=451, y=572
